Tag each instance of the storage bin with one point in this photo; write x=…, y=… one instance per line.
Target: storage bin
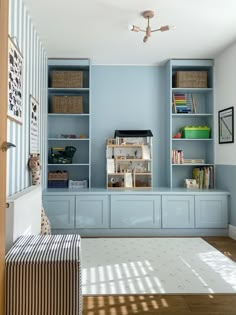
x=57, y=183
x=195, y=132
x=67, y=79
x=191, y=79
x=67, y=104
x=78, y=184
x=58, y=175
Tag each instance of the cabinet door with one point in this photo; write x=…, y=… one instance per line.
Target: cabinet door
x=60, y=211
x=92, y=211
x=135, y=211
x=211, y=211
x=177, y=211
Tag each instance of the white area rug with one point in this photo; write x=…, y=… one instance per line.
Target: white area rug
x=154, y=265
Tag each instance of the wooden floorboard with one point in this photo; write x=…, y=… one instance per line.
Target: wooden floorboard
x=215, y=304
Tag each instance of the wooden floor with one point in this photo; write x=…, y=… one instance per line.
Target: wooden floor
x=220, y=304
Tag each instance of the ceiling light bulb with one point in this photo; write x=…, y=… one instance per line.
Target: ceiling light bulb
x=130, y=27
x=145, y=39
x=172, y=27
x=167, y=28
x=135, y=28
x=164, y=28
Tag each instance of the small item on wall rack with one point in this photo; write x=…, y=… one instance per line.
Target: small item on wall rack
x=61, y=155
x=77, y=184
x=190, y=183
x=111, y=141
x=177, y=135
x=183, y=103
x=72, y=136
x=58, y=179
x=194, y=161
x=195, y=132
x=204, y=177
x=177, y=157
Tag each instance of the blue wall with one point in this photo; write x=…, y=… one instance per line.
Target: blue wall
x=34, y=83
x=127, y=97
x=226, y=179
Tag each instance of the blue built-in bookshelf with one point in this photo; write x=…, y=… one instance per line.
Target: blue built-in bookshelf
x=189, y=106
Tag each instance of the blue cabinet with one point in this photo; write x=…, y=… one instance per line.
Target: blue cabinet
x=135, y=211
x=177, y=211
x=103, y=212
x=92, y=211
x=60, y=211
x=211, y=212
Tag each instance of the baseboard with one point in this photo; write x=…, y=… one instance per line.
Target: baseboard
x=232, y=231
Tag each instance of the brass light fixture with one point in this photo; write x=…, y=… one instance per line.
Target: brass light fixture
x=148, y=15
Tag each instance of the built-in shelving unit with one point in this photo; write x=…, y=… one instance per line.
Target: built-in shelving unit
x=70, y=129
x=200, y=115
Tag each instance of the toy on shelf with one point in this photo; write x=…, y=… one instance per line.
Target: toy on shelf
x=61, y=155
x=177, y=135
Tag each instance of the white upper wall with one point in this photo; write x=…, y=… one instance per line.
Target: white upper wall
x=225, y=96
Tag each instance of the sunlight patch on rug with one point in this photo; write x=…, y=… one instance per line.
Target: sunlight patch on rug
x=154, y=265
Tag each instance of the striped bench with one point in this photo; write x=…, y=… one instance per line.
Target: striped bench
x=43, y=276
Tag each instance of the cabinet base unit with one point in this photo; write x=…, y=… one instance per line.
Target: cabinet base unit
x=60, y=211
x=92, y=212
x=135, y=211
x=158, y=212
x=178, y=211
x=210, y=212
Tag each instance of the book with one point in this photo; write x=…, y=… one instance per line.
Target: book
x=110, y=166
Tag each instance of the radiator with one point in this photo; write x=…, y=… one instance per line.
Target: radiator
x=23, y=214
x=43, y=276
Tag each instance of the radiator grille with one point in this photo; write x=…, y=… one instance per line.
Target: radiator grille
x=43, y=276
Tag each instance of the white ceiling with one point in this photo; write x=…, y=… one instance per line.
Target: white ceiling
x=99, y=29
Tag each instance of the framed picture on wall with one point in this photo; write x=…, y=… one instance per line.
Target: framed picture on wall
x=34, y=126
x=226, y=125
x=15, y=68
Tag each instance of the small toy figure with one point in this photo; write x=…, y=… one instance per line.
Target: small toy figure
x=34, y=166
x=177, y=135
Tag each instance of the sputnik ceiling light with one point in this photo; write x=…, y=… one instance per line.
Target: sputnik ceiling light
x=148, y=15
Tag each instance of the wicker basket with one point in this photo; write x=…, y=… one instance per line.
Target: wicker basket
x=67, y=104
x=191, y=79
x=67, y=79
x=58, y=175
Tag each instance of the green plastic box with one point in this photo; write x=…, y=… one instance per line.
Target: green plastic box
x=196, y=132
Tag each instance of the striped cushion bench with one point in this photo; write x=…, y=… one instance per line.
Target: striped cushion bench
x=43, y=276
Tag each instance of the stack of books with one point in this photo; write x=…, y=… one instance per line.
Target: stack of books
x=204, y=177
x=177, y=157
x=180, y=103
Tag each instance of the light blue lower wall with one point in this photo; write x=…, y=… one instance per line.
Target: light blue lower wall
x=127, y=97
x=226, y=179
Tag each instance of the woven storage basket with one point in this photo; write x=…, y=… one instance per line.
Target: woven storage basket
x=67, y=79
x=58, y=175
x=67, y=104
x=191, y=79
